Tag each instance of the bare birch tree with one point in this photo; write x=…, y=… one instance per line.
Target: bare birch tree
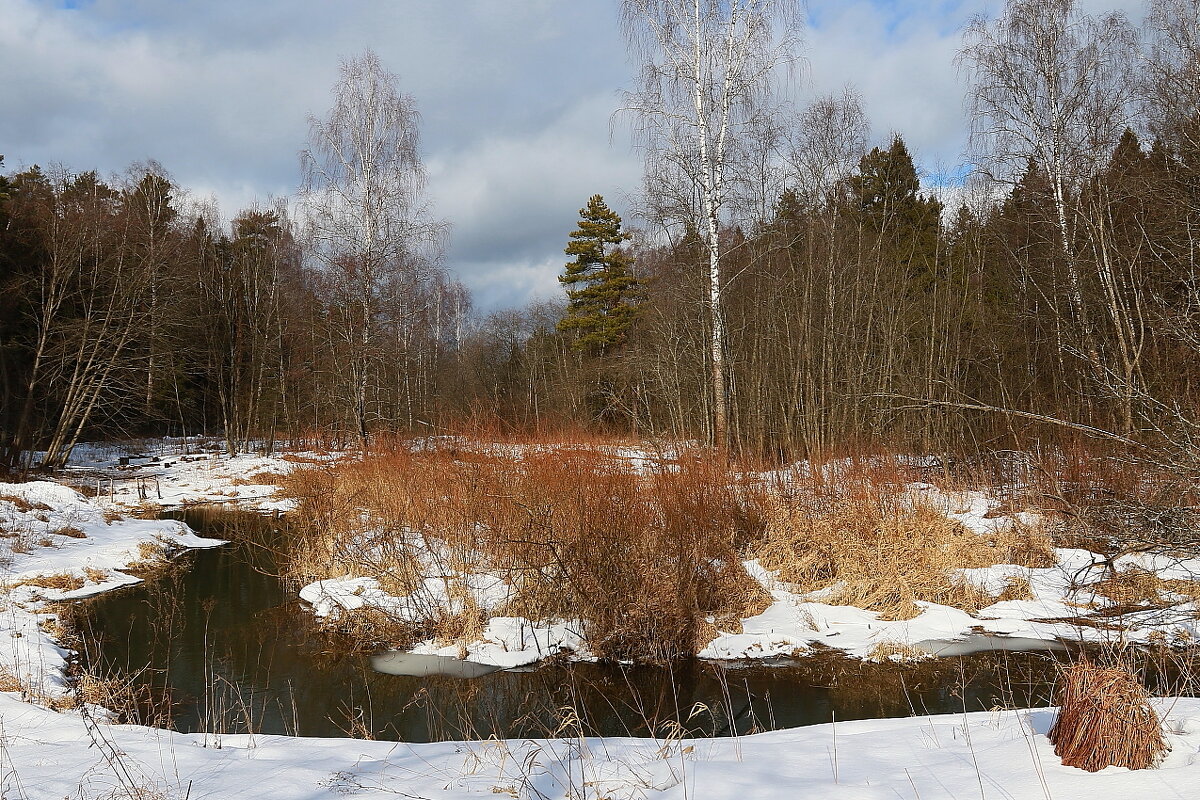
x=363, y=195
x=828, y=141
x=1051, y=84
x=1171, y=80
x=706, y=79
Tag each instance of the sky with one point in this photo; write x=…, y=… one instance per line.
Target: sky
x=516, y=100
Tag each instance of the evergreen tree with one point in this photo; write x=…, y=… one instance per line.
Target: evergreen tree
x=603, y=293
x=886, y=190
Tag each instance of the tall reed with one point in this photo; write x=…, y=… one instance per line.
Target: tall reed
x=639, y=551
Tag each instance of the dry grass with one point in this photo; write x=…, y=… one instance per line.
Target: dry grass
x=151, y=552
x=1137, y=586
x=1016, y=588
x=1105, y=719
x=264, y=478
x=896, y=651
x=23, y=505
x=63, y=581
x=9, y=682
x=876, y=548
x=640, y=558
x=299, y=459
x=70, y=531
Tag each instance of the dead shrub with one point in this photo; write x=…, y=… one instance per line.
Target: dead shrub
x=70, y=531
x=63, y=581
x=879, y=550
x=576, y=533
x=23, y=505
x=1105, y=719
x=1139, y=586
x=1108, y=503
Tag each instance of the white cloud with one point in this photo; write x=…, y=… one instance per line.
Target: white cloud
x=515, y=98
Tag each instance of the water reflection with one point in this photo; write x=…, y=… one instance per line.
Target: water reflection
x=424, y=666
x=224, y=646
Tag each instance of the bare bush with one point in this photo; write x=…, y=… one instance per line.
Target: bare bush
x=575, y=534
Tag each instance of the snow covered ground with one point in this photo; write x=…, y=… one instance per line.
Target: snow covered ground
x=1001, y=754
x=57, y=545
x=169, y=473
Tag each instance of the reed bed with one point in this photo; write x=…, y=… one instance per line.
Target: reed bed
x=866, y=540
x=1105, y=719
x=640, y=553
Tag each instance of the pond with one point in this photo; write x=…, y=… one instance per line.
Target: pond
x=220, y=644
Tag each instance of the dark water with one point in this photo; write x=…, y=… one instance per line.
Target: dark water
x=220, y=644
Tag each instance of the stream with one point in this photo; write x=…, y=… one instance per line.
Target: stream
x=217, y=643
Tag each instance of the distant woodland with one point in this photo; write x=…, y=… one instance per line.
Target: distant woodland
x=787, y=287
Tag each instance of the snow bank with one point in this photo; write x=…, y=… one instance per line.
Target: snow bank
x=996, y=754
x=56, y=544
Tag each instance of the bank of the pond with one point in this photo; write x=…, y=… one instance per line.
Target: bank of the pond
x=57, y=546
x=221, y=644
x=78, y=754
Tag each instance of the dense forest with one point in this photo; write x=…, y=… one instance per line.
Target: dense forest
x=1053, y=290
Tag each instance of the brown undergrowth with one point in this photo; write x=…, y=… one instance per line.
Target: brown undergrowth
x=640, y=557
x=1138, y=586
x=1105, y=719
x=867, y=540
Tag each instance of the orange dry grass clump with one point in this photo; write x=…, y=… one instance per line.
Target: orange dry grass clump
x=883, y=552
x=1136, y=586
x=1105, y=719
x=575, y=533
x=62, y=581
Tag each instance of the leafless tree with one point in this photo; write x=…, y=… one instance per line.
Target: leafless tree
x=1171, y=79
x=1051, y=84
x=828, y=141
x=93, y=270
x=368, y=222
x=706, y=78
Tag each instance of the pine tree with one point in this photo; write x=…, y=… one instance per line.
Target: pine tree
x=603, y=293
x=886, y=190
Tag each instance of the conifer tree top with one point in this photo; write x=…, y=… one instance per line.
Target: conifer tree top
x=602, y=291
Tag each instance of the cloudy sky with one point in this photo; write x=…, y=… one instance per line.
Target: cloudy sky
x=516, y=98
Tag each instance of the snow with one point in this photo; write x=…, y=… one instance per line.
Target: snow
x=1059, y=612
x=1002, y=754
x=1061, y=609
x=51, y=535
x=515, y=642
x=507, y=641
x=178, y=472
x=44, y=753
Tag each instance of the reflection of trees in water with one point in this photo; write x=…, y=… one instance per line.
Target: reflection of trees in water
x=222, y=642
x=707, y=699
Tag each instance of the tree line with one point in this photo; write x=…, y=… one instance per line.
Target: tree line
x=790, y=288
x=802, y=293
